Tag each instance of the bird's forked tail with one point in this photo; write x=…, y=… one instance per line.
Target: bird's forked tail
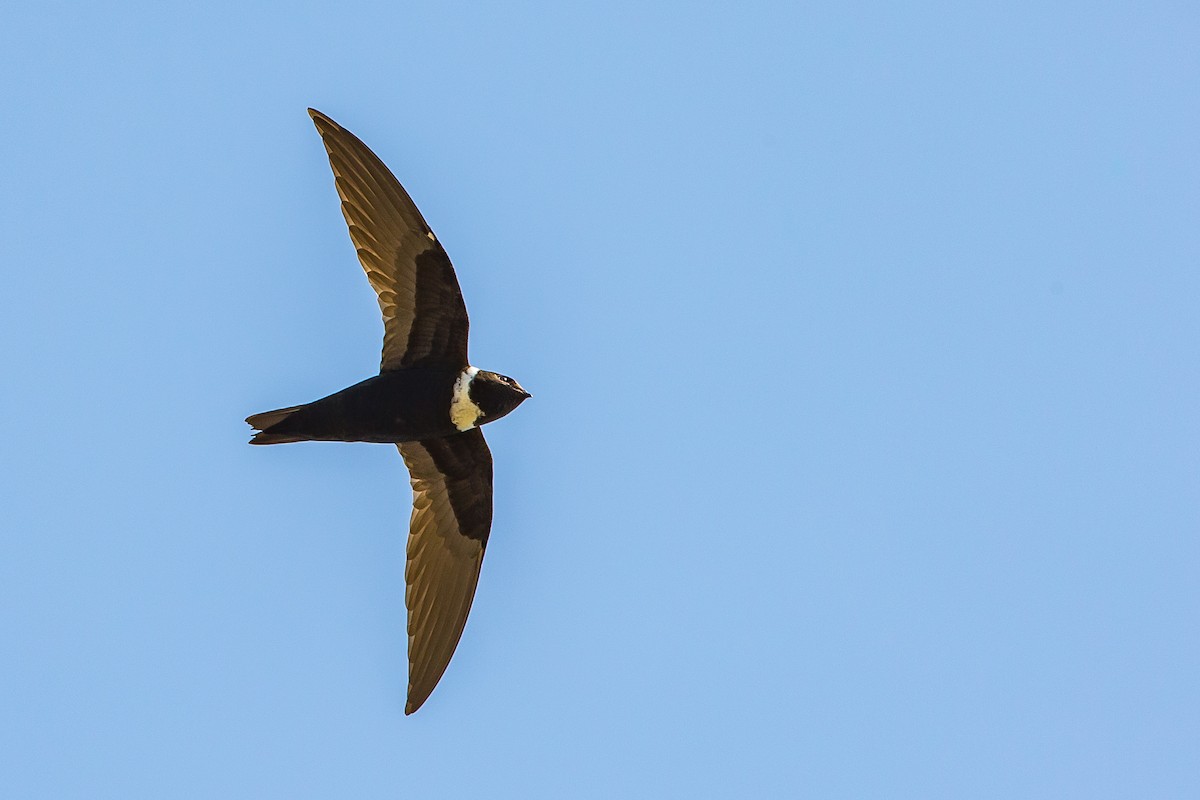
x=266, y=420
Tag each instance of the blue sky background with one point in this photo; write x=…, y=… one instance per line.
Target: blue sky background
x=863, y=459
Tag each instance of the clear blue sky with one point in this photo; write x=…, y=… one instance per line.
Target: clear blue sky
x=864, y=454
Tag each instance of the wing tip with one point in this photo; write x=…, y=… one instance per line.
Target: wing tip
x=322, y=121
x=414, y=702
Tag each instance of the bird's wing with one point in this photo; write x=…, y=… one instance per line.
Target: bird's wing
x=424, y=318
x=452, y=515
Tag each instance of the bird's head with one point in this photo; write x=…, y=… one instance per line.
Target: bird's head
x=496, y=395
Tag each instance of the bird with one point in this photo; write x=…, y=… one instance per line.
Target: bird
x=427, y=400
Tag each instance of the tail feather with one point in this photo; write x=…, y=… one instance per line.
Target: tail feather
x=262, y=422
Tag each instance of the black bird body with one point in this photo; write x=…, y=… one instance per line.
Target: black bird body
x=395, y=406
x=404, y=405
x=426, y=399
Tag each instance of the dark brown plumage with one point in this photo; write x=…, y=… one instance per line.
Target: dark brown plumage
x=427, y=399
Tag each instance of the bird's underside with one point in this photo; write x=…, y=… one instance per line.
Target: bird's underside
x=423, y=366
x=403, y=405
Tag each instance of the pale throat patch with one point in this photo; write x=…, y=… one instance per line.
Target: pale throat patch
x=464, y=413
